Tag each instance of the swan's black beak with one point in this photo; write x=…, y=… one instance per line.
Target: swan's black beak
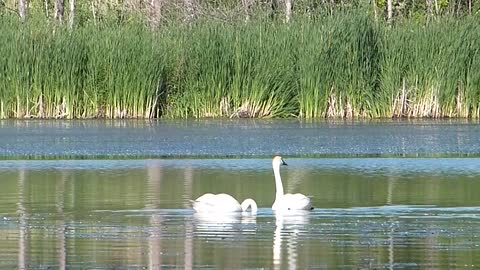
x=284, y=163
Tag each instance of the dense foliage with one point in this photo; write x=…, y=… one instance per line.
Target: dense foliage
x=344, y=64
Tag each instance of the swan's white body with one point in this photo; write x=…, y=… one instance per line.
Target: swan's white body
x=222, y=203
x=285, y=202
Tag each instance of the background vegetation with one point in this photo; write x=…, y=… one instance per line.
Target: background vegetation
x=138, y=59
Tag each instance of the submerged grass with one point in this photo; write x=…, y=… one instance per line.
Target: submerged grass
x=341, y=66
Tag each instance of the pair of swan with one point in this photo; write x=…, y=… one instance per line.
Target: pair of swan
x=214, y=203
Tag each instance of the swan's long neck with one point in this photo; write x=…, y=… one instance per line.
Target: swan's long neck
x=278, y=182
x=249, y=203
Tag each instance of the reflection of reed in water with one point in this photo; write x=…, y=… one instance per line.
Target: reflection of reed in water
x=154, y=172
x=296, y=177
x=23, y=226
x=188, y=246
x=188, y=186
x=60, y=226
x=288, y=226
x=60, y=205
x=153, y=202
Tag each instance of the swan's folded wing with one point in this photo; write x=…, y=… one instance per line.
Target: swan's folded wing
x=219, y=204
x=203, y=206
x=299, y=201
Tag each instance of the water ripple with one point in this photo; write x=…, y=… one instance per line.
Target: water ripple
x=46, y=139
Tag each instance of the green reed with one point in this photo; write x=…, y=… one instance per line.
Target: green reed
x=233, y=71
x=427, y=71
x=346, y=65
x=125, y=71
x=339, y=67
x=51, y=72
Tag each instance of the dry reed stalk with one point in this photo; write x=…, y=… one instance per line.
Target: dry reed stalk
x=121, y=114
x=150, y=111
x=252, y=110
x=41, y=107
x=18, y=111
x=62, y=110
x=460, y=109
x=401, y=103
x=426, y=107
x=224, y=106
x=436, y=109
x=331, y=106
x=348, y=110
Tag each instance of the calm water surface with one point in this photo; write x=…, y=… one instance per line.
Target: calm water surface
x=371, y=213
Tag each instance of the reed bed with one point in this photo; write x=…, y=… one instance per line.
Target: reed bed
x=431, y=71
x=341, y=66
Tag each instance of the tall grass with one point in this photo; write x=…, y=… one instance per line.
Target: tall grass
x=234, y=71
x=125, y=73
x=429, y=71
x=55, y=73
x=339, y=67
x=345, y=65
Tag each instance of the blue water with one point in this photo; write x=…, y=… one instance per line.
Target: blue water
x=236, y=138
x=117, y=194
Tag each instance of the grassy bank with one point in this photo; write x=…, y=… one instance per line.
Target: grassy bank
x=345, y=65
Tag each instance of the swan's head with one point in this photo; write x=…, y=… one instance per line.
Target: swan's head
x=249, y=204
x=277, y=161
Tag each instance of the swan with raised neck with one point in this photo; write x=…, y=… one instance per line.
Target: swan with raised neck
x=285, y=202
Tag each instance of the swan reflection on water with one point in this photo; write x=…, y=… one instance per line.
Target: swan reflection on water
x=223, y=219
x=224, y=225
x=288, y=226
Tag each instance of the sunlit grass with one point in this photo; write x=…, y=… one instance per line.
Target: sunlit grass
x=429, y=71
x=232, y=71
x=341, y=66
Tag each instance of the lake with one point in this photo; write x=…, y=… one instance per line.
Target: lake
x=119, y=139
x=116, y=194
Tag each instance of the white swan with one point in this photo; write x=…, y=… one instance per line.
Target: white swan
x=222, y=203
x=287, y=201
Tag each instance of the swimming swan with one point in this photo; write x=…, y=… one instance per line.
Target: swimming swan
x=287, y=201
x=222, y=203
